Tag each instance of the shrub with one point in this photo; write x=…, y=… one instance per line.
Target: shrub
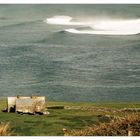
x=128, y=125
x=5, y=129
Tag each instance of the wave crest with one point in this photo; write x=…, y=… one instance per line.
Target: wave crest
x=103, y=27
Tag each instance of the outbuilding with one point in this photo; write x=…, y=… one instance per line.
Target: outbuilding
x=26, y=104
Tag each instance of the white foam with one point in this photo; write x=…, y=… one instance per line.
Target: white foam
x=120, y=26
x=58, y=20
x=102, y=26
x=108, y=32
x=63, y=20
x=117, y=27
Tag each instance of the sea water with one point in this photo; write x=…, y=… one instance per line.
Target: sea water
x=87, y=53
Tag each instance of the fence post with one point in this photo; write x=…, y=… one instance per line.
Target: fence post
x=130, y=133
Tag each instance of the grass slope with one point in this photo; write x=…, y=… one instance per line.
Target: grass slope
x=52, y=125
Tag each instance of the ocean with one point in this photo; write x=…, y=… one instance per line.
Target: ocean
x=77, y=53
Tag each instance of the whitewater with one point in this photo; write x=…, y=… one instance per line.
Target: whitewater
x=100, y=27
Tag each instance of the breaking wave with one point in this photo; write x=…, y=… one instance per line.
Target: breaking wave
x=63, y=20
x=103, y=27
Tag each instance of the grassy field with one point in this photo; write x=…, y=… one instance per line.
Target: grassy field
x=52, y=124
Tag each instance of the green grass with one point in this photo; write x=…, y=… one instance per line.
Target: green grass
x=116, y=105
x=48, y=125
x=52, y=125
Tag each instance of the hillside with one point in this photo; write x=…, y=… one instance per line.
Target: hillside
x=74, y=116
